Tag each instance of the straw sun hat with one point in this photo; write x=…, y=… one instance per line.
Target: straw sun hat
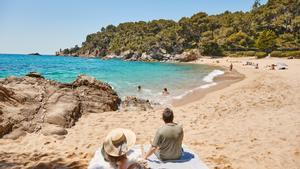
x=119, y=141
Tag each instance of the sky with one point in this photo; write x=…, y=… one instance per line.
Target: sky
x=45, y=26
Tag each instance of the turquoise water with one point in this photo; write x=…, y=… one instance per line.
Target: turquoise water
x=124, y=76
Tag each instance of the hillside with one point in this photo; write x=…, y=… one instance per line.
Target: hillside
x=269, y=27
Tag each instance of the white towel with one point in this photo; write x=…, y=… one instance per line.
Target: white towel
x=189, y=160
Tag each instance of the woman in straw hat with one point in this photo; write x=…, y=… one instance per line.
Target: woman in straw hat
x=115, y=147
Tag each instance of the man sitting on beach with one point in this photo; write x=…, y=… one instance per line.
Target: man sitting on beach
x=167, y=144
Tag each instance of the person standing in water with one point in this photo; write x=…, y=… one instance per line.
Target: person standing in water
x=165, y=92
x=139, y=88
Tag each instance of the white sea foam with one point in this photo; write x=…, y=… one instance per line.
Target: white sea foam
x=156, y=96
x=210, y=77
x=210, y=82
x=208, y=85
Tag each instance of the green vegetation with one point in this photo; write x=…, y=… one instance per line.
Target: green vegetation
x=269, y=27
x=266, y=40
x=211, y=48
x=295, y=54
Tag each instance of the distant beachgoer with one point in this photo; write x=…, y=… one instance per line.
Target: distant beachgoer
x=256, y=66
x=230, y=67
x=165, y=92
x=167, y=143
x=115, y=147
x=139, y=88
x=273, y=67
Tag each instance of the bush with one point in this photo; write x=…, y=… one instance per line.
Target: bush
x=249, y=53
x=260, y=55
x=278, y=54
x=211, y=49
x=295, y=54
x=240, y=53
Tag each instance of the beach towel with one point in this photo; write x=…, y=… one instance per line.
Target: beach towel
x=188, y=160
x=281, y=66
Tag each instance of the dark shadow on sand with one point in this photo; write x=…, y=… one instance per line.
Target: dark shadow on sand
x=186, y=156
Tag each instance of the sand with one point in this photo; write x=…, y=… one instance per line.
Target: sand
x=252, y=123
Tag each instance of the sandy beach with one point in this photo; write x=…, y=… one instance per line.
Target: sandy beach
x=251, y=123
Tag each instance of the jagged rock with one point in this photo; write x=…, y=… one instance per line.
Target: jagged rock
x=35, y=74
x=5, y=128
x=30, y=102
x=131, y=56
x=15, y=134
x=53, y=130
x=63, y=108
x=134, y=103
x=187, y=56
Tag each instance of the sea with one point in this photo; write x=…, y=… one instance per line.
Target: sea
x=124, y=76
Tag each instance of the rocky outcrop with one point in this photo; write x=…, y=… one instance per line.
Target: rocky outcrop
x=132, y=103
x=157, y=54
x=154, y=54
x=187, y=56
x=33, y=103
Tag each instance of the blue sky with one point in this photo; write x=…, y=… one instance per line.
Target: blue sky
x=44, y=26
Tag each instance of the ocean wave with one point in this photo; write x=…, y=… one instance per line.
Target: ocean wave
x=210, y=77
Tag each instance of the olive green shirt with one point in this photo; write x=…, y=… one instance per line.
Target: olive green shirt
x=169, y=140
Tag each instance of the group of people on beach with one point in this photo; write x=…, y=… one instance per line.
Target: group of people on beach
x=165, y=91
x=166, y=145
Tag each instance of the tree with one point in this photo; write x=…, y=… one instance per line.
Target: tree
x=211, y=49
x=256, y=4
x=266, y=41
x=239, y=40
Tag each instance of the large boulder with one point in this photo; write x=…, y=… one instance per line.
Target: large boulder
x=35, y=74
x=131, y=56
x=187, y=56
x=32, y=102
x=49, y=129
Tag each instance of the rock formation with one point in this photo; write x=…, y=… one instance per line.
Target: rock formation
x=132, y=103
x=155, y=54
x=33, y=103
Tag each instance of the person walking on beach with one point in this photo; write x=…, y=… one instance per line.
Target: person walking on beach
x=167, y=143
x=230, y=67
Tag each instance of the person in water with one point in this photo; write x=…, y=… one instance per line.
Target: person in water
x=139, y=88
x=167, y=143
x=165, y=92
x=115, y=148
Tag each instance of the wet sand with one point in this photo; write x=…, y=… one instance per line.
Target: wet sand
x=222, y=81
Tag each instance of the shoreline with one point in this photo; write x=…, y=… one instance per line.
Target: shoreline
x=221, y=81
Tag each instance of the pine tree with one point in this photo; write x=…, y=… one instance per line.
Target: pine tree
x=266, y=41
x=256, y=4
